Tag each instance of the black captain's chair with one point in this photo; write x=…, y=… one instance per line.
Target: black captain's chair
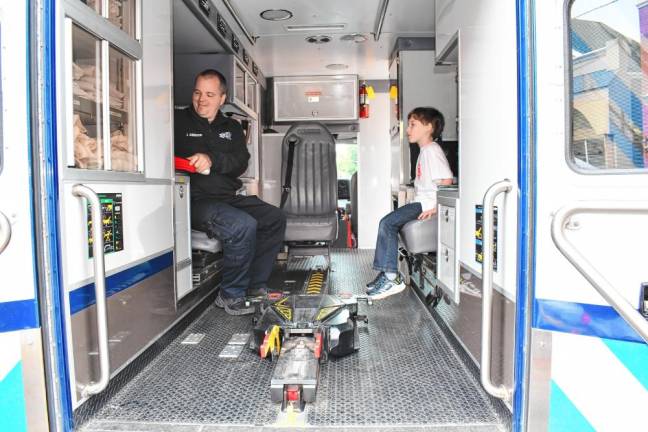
x=309, y=195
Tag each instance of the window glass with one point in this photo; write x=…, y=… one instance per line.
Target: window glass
x=87, y=100
x=609, y=104
x=123, y=141
x=239, y=83
x=122, y=14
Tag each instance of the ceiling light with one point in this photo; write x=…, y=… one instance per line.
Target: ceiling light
x=355, y=37
x=318, y=39
x=276, y=14
x=337, y=66
x=319, y=27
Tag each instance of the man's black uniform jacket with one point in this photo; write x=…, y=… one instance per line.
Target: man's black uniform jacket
x=223, y=142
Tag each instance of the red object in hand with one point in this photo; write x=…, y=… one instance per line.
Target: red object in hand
x=182, y=164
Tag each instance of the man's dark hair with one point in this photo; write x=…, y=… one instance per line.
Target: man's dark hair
x=427, y=115
x=213, y=73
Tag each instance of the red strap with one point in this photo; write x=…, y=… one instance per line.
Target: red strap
x=182, y=164
x=349, y=239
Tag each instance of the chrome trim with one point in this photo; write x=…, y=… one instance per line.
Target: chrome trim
x=585, y=268
x=5, y=232
x=500, y=391
x=380, y=19
x=239, y=21
x=80, y=190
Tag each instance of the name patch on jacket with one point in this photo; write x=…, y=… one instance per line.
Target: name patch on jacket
x=225, y=135
x=194, y=134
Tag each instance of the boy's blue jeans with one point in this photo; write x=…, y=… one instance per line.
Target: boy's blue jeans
x=386, y=255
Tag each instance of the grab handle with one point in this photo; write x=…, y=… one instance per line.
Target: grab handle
x=500, y=391
x=5, y=232
x=79, y=190
x=585, y=268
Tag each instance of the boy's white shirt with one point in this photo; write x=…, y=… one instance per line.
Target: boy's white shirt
x=431, y=167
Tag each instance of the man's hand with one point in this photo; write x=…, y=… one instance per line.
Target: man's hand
x=200, y=161
x=427, y=214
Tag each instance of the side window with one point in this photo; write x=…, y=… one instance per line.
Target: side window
x=609, y=87
x=105, y=56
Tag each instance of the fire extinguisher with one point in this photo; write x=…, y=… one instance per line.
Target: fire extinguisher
x=364, y=101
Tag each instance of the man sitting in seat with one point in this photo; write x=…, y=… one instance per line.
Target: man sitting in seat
x=250, y=230
x=424, y=127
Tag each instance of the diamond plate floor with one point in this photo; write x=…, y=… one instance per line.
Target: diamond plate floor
x=405, y=377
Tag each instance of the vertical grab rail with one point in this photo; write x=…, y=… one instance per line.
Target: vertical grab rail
x=500, y=391
x=5, y=232
x=82, y=191
x=586, y=269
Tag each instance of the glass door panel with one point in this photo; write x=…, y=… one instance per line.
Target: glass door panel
x=123, y=138
x=239, y=83
x=122, y=14
x=87, y=100
x=251, y=93
x=94, y=5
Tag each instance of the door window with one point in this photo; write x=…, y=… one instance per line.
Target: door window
x=103, y=74
x=609, y=85
x=87, y=100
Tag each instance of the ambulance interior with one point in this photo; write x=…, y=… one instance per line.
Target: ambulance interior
x=416, y=358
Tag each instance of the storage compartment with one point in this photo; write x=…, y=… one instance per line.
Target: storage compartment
x=447, y=224
x=447, y=259
x=182, y=218
x=320, y=98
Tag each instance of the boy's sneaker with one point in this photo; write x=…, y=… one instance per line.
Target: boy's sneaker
x=377, y=279
x=387, y=288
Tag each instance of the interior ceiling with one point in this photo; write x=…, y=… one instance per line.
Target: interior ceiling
x=280, y=53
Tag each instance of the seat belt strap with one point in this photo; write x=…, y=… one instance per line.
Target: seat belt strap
x=288, y=178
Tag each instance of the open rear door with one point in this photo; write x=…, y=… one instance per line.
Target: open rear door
x=589, y=353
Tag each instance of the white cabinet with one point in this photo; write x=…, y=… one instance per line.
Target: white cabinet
x=182, y=220
x=447, y=257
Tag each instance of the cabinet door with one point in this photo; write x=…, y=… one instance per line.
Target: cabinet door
x=447, y=225
x=250, y=92
x=446, y=266
x=239, y=83
x=334, y=100
x=182, y=222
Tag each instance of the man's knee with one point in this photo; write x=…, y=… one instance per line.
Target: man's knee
x=244, y=228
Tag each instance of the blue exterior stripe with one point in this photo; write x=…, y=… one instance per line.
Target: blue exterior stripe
x=583, y=319
x=563, y=414
x=526, y=205
x=83, y=297
x=12, y=401
x=634, y=356
x=51, y=253
x=18, y=315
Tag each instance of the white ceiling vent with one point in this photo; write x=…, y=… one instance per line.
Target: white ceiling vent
x=318, y=39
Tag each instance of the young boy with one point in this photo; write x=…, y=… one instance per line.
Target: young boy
x=424, y=127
